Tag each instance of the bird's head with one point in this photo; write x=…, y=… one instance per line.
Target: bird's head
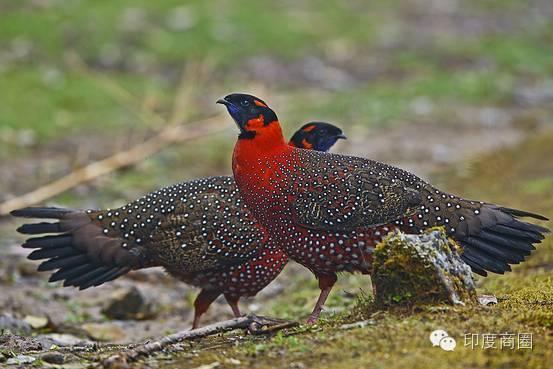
x=318, y=136
x=251, y=114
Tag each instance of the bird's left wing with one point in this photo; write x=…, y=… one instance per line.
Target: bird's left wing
x=208, y=231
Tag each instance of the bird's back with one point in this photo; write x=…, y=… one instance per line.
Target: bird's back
x=328, y=211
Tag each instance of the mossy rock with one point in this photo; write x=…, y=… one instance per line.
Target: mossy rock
x=421, y=269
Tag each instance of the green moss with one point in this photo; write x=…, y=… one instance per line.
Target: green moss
x=532, y=298
x=420, y=270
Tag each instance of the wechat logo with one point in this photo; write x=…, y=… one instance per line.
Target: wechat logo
x=440, y=338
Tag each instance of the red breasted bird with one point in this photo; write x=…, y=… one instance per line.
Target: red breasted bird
x=199, y=231
x=328, y=211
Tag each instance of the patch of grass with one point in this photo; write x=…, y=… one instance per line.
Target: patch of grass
x=173, y=31
x=384, y=102
x=400, y=339
x=54, y=103
x=141, y=46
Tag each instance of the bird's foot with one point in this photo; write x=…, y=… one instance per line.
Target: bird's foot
x=313, y=318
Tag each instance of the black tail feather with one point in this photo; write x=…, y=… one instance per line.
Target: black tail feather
x=39, y=228
x=61, y=252
x=474, y=265
x=512, y=242
x=86, y=277
x=489, y=262
x=507, y=240
x=522, y=213
x=41, y=212
x=69, y=273
x=495, y=250
x=82, y=255
x=61, y=262
x=48, y=242
x=106, y=277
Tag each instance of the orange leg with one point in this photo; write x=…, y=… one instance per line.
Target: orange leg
x=326, y=282
x=202, y=303
x=233, y=303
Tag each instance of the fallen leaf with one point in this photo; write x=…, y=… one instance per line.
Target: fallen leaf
x=213, y=365
x=103, y=332
x=487, y=300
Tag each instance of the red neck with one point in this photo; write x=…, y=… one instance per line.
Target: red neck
x=267, y=141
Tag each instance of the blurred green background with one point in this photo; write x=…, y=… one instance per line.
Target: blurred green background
x=364, y=65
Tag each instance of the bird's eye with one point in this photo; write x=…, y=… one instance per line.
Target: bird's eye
x=245, y=103
x=322, y=132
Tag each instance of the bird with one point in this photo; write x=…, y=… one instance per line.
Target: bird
x=199, y=231
x=329, y=211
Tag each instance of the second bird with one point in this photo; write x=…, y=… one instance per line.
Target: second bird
x=200, y=232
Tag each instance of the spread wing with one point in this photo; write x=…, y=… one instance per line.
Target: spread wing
x=346, y=193
x=212, y=228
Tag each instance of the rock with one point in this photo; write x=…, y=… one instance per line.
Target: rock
x=20, y=360
x=12, y=343
x=487, y=300
x=360, y=324
x=62, y=340
x=53, y=357
x=421, y=269
x=297, y=365
x=36, y=322
x=213, y=365
x=128, y=303
x=26, y=268
x=16, y=326
x=104, y=331
x=233, y=361
x=8, y=269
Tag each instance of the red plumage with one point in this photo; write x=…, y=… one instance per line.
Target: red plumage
x=328, y=211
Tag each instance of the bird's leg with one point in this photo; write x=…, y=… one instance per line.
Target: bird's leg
x=233, y=303
x=202, y=303
x=326, y=282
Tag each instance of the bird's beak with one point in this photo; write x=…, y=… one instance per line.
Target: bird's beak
x=234, y=112
x=222, y=101
x=342, y=136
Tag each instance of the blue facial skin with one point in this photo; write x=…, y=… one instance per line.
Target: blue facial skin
x=234, y=112
x=325, y=144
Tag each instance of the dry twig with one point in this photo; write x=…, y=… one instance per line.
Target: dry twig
x=137, y=153
x=255, y=325
x=174, y=131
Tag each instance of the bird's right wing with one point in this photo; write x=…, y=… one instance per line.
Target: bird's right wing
x=341, y=193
